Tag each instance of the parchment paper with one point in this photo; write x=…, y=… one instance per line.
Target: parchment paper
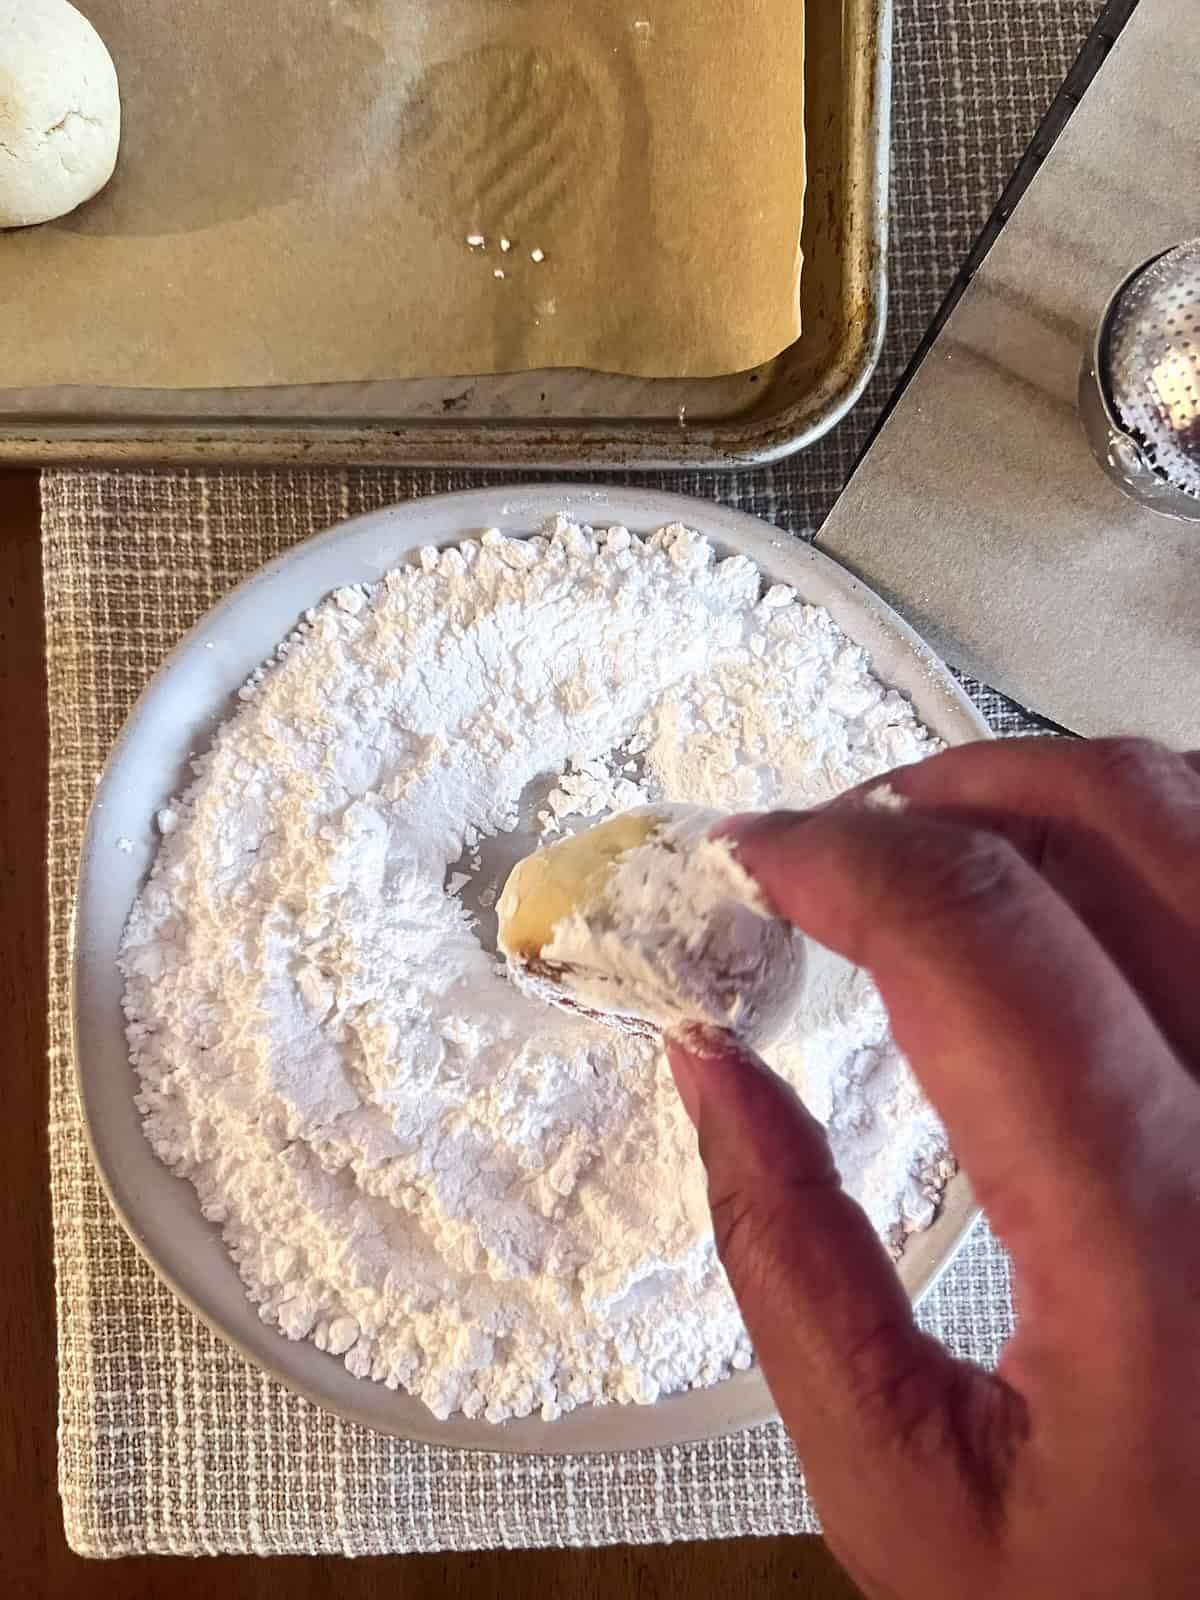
x=298, y=179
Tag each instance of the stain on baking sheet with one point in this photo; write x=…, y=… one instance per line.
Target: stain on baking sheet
x=525, y=143
x=509, y=131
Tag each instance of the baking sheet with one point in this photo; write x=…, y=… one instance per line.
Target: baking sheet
x=297, y=184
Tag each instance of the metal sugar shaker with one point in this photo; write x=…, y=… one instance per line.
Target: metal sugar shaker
x=1139, y=392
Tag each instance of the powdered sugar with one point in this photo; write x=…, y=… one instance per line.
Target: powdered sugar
x=451, y=1186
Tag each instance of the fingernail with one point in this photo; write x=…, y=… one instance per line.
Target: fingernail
x=708, y=1046
x=702, y=1039
x=700, y=1053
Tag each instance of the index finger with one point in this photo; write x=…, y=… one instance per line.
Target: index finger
x=1055, y=1086
x=1113, y=825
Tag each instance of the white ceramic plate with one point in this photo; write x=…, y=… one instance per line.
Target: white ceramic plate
x=187, y=698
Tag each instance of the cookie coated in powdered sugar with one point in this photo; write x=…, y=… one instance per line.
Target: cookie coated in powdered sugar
x=455, y=1188
x=672, y=933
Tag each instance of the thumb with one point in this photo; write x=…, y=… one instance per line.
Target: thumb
x=861, y=1389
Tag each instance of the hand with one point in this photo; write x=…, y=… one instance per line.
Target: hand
x=1032, y=919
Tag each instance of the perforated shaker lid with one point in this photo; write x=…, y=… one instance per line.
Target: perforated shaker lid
x=1153, y=359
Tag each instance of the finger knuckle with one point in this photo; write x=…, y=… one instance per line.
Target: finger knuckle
x=889, y=1376
x=962, y=874
x=738, y=1231
x=1134, y=764
x=752, y=1223
x=733, y=1212
x=745, y=1215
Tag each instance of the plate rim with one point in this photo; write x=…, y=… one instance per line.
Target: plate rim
x=740, y=1401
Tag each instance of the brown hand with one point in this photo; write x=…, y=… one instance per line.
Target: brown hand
x=1033, y=922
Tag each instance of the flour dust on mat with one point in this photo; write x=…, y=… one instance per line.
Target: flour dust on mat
x=457, y=1189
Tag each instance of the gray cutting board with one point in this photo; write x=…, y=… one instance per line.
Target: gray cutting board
x=979, y=512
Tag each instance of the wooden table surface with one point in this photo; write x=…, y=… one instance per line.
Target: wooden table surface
x=33, y=1554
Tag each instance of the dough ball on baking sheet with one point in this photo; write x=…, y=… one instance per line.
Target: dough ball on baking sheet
x=60, y=111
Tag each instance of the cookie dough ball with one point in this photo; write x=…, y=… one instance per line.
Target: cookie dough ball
x=60, y=112
x=647, y=923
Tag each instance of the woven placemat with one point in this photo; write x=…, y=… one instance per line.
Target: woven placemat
x=168, y=1441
